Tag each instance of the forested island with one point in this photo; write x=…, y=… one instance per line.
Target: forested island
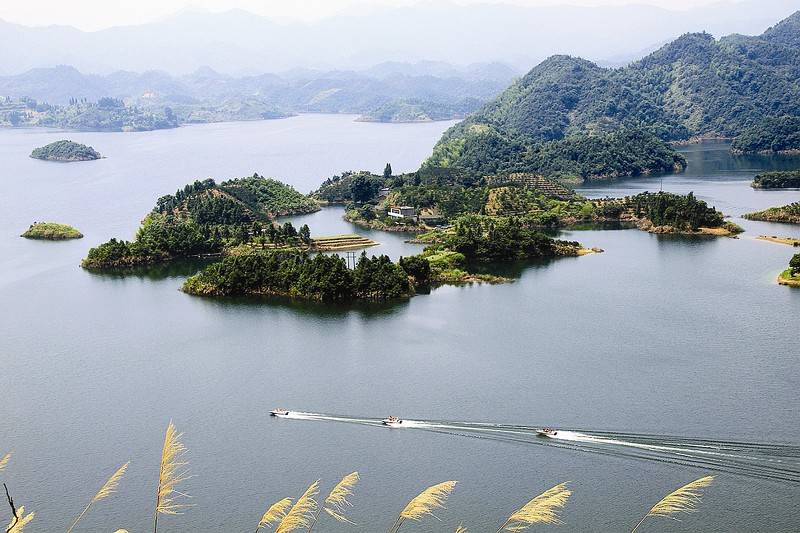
x=789, y=214
x=298, y=275
x=437, y=197
x=777, y=180
x=66, y=152
x=51, y=231
x=791, y=276
x=774, y=135
x=206, y=218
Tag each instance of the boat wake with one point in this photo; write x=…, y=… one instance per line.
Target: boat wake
x=774, y=461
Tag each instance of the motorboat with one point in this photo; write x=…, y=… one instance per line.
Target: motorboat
x=279, y=412
x=392, y=422
x=546, y=432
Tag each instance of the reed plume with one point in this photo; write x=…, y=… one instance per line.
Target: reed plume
x=301, y=515
x=682, y=500
x=105, y=491
x=4, y=460
x=543, y=509
x=461, y=529
x=425, y=503
x=275, y=513
x=19, y=520
x=336, y=501
x=173, y=472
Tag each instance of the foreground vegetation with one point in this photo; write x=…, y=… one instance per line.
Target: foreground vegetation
x=65, y=151
x=287, y=515
x=777, y=180
x=206, y=218
x=789, y=214
x=51, y=231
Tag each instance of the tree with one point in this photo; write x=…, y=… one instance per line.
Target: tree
x=305, y=234
x=361, y=188
x=387, y=171
x=794, y=264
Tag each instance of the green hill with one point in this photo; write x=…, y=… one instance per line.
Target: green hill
x=695, y=86
x=208, y=218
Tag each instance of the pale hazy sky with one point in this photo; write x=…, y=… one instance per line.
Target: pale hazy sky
x=97, y=14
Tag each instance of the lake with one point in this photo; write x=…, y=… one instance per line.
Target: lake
x=663, y=359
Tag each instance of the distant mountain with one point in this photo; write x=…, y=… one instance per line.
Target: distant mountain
x=693, y=86
x=237, y=42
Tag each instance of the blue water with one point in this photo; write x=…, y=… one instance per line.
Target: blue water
x=659, y=341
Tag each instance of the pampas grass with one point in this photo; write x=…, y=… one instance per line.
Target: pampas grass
x=425, y=503
x=301, y=515
x=173, y=472
x=336, y=501
x=19, y=521
x=543, y=509
x=105, y=491
x=4, y=460
x=275, y=513
x=682, y=500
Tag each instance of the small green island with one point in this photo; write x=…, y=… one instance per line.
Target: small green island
x=51, y=231
x=66, y=152
x=777, y=180
x=789, y=214
x=791, y=276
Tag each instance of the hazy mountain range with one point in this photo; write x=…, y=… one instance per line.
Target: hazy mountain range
x=238, y=42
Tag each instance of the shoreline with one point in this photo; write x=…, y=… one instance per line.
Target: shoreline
x=791, y=241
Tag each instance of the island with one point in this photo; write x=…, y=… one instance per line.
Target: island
x=206, y=219
x=322, y=277
x=791, y=276
x=65, y=151
x=51, y=231
x=773, y=135
x=789, y=214
x=777, y=180
x=419, y=202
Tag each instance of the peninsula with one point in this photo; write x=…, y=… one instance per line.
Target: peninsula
x=777, y=180
x=791, y=276
x=789, y=214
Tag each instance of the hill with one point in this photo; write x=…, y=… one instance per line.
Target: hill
x=695, y=86
x=208, y=218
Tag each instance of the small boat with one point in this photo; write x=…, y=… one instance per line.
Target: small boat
x=392, y=422
x=546, y=432
x=279, y=412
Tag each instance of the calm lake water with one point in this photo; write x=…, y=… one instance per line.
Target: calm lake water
x=667, y=357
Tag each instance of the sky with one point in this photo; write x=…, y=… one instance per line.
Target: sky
x=92, y=15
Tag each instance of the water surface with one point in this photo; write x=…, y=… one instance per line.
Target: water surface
x=660, y=341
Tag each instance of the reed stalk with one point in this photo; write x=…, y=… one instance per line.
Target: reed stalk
x=682, y=500
x=108, y=488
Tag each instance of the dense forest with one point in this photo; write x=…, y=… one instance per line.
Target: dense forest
x=772, y=135
x=777, y=180
x=297, y=274
x=65, y=151
x=207, y=218
x=695, y=86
